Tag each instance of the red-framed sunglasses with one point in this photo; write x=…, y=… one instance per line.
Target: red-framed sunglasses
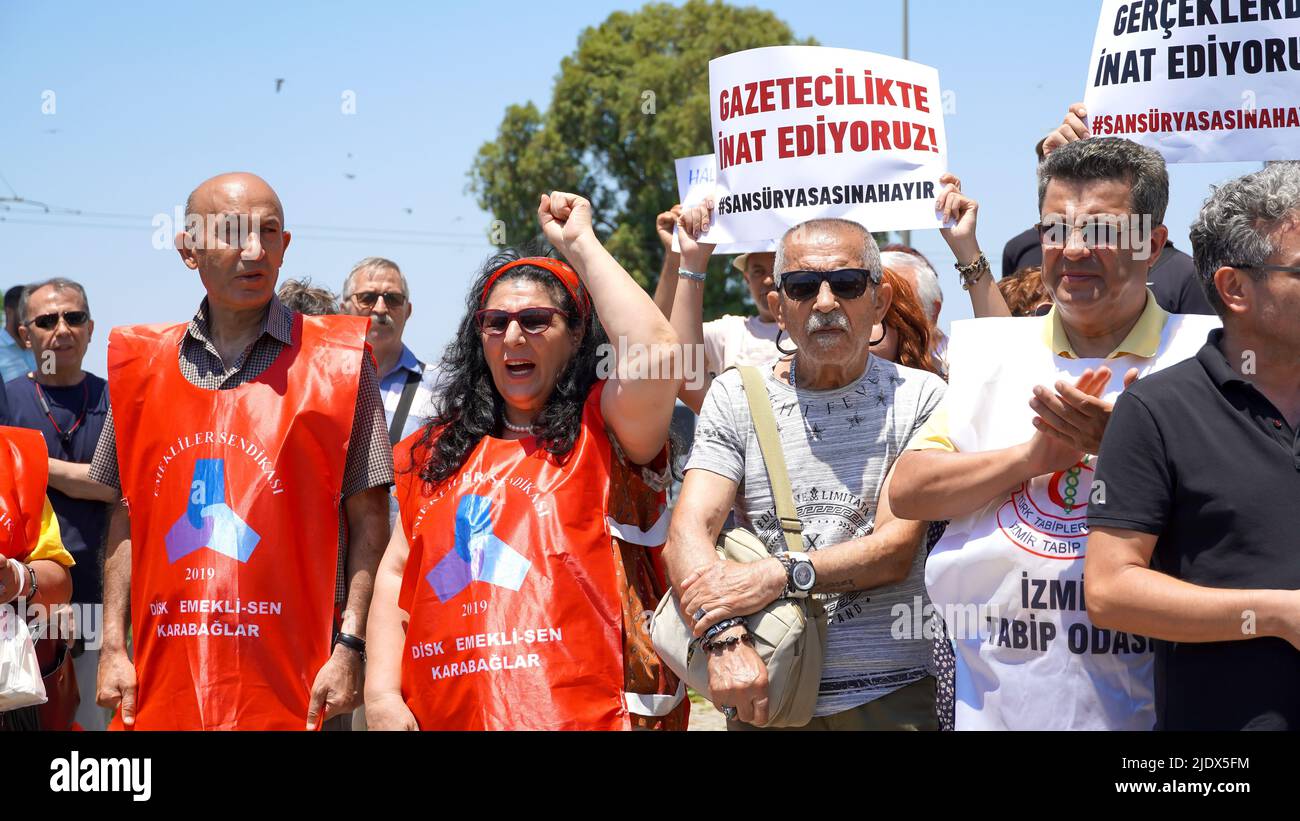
x=495, y=322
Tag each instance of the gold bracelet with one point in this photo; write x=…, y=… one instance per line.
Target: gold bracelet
x=974, y=272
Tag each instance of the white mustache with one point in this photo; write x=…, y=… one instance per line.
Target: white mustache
x=382, y=319
x=822, y=322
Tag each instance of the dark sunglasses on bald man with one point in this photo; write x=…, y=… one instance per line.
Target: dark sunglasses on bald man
x=48, y=322
x=367, y=299
x=846, y=283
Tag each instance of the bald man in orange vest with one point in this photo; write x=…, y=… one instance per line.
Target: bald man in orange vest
x=235, y=439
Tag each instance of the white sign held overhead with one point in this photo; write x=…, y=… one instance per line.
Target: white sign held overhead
x=1198, y=81
x=801, y=132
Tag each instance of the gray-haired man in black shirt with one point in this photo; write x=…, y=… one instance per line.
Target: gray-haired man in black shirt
x=1198, y=488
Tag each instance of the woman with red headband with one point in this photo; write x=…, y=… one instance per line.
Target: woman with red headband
x=515, y=593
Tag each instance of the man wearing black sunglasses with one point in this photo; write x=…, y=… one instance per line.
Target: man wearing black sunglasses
x=843, y=416
x=68, y=406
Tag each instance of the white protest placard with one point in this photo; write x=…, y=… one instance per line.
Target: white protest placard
x=801, y=132
x=697, y=178
x=1198, y=81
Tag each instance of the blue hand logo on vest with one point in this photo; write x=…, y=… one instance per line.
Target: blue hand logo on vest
x=478, y=555
x=208, y=521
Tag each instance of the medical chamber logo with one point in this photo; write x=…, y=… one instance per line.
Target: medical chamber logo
x=208, y=521
x=1049, y=516
x=478, y=554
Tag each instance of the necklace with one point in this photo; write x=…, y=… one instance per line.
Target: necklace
x=793, y=359
x=516, y=428
x=64, y=436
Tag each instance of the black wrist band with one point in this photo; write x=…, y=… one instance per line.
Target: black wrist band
x=351, y=642
x=725, y=624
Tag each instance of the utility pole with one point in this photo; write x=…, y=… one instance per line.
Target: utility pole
x=907, y=235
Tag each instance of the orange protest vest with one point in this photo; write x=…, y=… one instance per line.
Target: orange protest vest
x=513, y=590
x=24, y=469
x=234, y=499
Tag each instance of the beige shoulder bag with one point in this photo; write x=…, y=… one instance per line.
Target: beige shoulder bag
x=788, y=633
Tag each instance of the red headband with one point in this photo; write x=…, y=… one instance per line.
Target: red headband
x=558, y=268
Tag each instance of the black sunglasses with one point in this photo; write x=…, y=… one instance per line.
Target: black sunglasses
x=846, y=283
x=367, y=299
x=48, y=322
x=495, y=322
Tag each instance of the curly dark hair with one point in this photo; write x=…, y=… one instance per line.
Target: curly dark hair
x=469, y=406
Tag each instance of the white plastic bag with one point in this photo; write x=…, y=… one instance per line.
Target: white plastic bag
x=20, y=672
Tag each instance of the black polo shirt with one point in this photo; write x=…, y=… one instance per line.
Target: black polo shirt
x=1199, y=457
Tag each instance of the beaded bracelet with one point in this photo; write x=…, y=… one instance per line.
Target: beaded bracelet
x=722, y=644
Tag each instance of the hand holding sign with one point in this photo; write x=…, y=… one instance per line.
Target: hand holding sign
x=959, y=213
x=1073, y=128
x=692, y=223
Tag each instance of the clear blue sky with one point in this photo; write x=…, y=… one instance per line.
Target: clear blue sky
x=151, y=98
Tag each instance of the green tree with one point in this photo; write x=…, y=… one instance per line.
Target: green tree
x=633, y=97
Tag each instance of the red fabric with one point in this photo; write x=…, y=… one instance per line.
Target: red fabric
x=24, y=469
x=197, y=466
x=558, y=268
x=515, y=618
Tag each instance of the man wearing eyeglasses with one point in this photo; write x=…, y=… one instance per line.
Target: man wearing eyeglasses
x=1172, y=278
x=68, y=406
x=376, y=288
x=1009, y=456
x=250, y=450
x=843, y=416
x=1195, y=541
x=15, y=358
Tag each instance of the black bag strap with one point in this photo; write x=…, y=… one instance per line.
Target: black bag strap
x=404, y=404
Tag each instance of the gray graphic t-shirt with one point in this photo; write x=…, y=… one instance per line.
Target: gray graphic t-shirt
x=839, y=445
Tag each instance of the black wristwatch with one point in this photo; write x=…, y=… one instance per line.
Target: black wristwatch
x=352, y=643
x=800, y=575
